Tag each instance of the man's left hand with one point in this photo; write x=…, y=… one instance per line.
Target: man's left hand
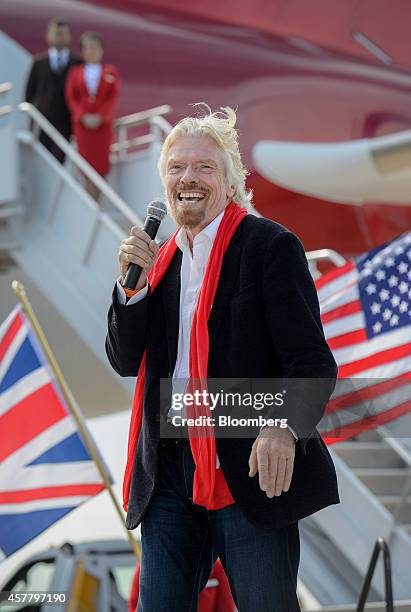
x=272, y=456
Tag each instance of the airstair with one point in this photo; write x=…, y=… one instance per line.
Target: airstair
x=58, y=236
x=374, y=476
x=66, y=245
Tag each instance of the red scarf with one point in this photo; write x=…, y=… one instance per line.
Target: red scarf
x=209, y=487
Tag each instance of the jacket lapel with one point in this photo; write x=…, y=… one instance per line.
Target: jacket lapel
x=48, y=70
x=102, y=82
x=82, y=83
x=226, y=284
x=171, y=284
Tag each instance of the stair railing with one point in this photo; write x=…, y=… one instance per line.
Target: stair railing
x=314, y=257
x=5, y=109
x=381, y=546
x=159, y=127
x=41, y=123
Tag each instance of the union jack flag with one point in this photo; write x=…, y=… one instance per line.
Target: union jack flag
x=45, y=469
x=366, y=314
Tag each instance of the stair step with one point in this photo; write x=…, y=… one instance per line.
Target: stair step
x=368, y=455
x=10, y=210
x=377, y=606
x=383, y=481
x=371, y=435
x=392, y=502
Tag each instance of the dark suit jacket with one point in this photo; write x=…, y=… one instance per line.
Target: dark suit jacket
x=45, y=90
x=264, y=323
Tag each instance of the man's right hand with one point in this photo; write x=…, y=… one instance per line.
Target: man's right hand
x=140, y=250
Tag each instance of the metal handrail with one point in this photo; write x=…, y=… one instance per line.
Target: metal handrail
x=162, y=123
x=153, y=117
x=139, y=141
x=381, y=546
x=80, y=162
x=4, y=87
x=323, y=255
x=326, y=254
x=5, y=110
x=142, y=116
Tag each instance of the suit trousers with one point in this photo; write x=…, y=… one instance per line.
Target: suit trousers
x=181, y=541
x=53, y=147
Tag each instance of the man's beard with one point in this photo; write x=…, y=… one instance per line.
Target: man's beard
x=189, y=217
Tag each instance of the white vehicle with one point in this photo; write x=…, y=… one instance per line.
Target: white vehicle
x=91, y=576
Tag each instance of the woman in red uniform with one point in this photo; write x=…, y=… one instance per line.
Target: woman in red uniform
x=92, y=92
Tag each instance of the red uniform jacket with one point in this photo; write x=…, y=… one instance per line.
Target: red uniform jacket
x=215, y=597
x=93, y=145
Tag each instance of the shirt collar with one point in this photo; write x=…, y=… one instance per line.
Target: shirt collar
x=93, y=67
x=53, y=53
x=208, y=233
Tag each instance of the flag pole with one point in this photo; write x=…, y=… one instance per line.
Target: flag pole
x=21, y=295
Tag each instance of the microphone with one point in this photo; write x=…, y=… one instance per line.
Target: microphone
x=156, y=211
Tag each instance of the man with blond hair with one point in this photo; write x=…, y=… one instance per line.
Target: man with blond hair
x=228, y=296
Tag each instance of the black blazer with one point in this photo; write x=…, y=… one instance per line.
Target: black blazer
x=45, y=90
x=264, y=323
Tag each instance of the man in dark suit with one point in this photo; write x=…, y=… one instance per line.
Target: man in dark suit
x=46, y=82
x=228, y=296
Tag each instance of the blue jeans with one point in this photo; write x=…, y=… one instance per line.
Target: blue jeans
x=180, y=542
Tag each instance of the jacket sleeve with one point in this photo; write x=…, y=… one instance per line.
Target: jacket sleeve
x=127, y=335
x=72, y=95
x=293, y=317
x=31, y=84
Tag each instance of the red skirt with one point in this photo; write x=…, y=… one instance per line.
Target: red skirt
x=94, y=145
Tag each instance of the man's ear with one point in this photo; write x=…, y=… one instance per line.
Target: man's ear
x=230, y=191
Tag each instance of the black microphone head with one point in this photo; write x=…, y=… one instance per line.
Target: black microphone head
x=157, y=209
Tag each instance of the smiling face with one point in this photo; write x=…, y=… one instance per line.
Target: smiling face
x=196, y=181
x=92, y=51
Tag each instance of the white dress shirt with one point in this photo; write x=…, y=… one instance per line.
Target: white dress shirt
x=58, y=59
x=191, y=275
x=92, y=76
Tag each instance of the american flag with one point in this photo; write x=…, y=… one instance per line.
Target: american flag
x=366, y=314
x=45, y=469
